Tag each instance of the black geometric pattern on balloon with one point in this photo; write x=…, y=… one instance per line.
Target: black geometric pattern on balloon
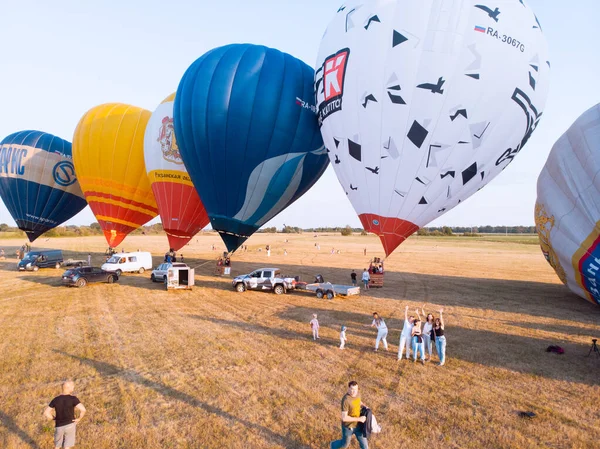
x=341, y=8
x=549, y=66
x=348, y=19
x=531, y=81
x=337, y=142
x=442, y=210
x=396, y=99
x=402, y=194
x=469, y=173
x=417, y=134
x=319, y=81
x=421, y=181
x=353, y=188
x=371, y=20
x=423, y=200
x=375, y=170
x=534, y=67
x=462, y=112
x=479, y=137
x=431, y=147
x=463, y=142
x=492, y=14
x=368, y=98
x=475, y=76
x=532, y=117
x=355, y=150
x=482, y=175
x=538, y=23
x=398, y=38
x=451, y=173
x=337, y=159
x=434, y=88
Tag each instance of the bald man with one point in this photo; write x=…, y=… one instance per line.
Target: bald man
x=64, y=415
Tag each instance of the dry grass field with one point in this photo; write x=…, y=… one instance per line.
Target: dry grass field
x=211, y=368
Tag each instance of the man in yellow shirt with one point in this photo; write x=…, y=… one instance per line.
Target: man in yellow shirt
x=351, y=404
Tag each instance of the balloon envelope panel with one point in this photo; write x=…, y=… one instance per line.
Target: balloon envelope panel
x=248, y=134
x=422, y=105
x=567, y=212
x=181, y=211
x=37, y=181
x=108, y=152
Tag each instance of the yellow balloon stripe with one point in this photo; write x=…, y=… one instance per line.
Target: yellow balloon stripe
x=117, y=221
x=122, y=204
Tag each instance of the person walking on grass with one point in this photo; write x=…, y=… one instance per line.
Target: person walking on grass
x=427, y=326
x=64, y=416
x=351, y=405
x=343, y=338
x=417, y=340
x=366, y=277
x=405, y=336
x=353, y=277
x=314, y=325
x=382, y=331
x=440, y=339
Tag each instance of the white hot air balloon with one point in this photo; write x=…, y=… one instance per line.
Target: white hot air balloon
x=424, y=102
x=567, y=213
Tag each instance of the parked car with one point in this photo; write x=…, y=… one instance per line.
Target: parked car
x=129, y=262
x=82, y=276
x=263, y=279
x=34, y=260
x=159, y=273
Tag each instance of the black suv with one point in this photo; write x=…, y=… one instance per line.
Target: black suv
x=82, y=276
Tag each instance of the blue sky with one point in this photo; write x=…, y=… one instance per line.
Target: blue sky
x=60, y=58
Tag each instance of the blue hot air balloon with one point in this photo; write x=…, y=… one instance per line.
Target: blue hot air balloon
x=37, y=181
x=246, y=124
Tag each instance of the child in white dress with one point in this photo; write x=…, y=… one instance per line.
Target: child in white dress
x=314, y=325
x=343, y=338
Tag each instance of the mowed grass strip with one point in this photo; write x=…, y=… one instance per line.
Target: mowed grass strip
x=210, y=368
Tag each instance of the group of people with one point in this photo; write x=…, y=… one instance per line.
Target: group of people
x=416, y=335
x=366, y=278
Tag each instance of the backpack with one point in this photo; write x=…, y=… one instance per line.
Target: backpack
x=554, y=348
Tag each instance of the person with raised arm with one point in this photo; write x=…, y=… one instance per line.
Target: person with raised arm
x=440, y=339
x=405, y=336
x=427, y=326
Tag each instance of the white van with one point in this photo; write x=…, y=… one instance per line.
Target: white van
x=128, y=262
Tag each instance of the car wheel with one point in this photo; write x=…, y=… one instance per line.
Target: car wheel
x=110, y=279
x=329, y=294
x=240, y=287
x=57, y=266
x=141, y=270
x=279, y=290
x=36, y=268
x=81, y=282
x=152, y=278
x=166, y=284
x=119, y=272
x=320, y=294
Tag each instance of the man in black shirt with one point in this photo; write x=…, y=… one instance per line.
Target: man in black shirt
x=353, y=277
x=64, y=415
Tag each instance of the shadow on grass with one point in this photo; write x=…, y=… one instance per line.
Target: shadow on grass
x=107, y=369
x=7, y=422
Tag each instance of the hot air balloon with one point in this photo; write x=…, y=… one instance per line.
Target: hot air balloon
x=246, y=124
x=108, y=152
x=37, y=181
x=567, y=212
x=181, y=211
x=422, y=105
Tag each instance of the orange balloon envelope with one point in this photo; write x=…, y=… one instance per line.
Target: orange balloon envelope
x=108, y=154
x=181, y=211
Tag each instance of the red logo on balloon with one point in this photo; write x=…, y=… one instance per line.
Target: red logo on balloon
x=330, y=87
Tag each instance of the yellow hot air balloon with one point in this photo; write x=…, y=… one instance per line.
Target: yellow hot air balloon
x=108, y=154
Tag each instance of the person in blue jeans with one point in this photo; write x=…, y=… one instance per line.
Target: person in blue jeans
x=417, y=340
x=351, y=404
x=440, y=339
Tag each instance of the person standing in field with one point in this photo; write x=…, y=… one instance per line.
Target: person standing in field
x=365, y=251
x=417, y=341
x=405, y=336
x=382, y=331
x=440, y=339
x=427, y=326
x=64, y=416
x=351, y=405
x=89, y=260
x=366, y=277
x=343, y=338
x=314, y=325
x=353, y=277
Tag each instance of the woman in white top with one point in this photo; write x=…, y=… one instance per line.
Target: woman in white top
x=382, y=331
x=405, y=336
x=427, y=326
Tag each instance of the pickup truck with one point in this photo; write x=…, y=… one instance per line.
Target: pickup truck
x=263, y=279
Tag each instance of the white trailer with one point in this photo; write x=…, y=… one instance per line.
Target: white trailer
x=329, y=290
x=179, y=277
